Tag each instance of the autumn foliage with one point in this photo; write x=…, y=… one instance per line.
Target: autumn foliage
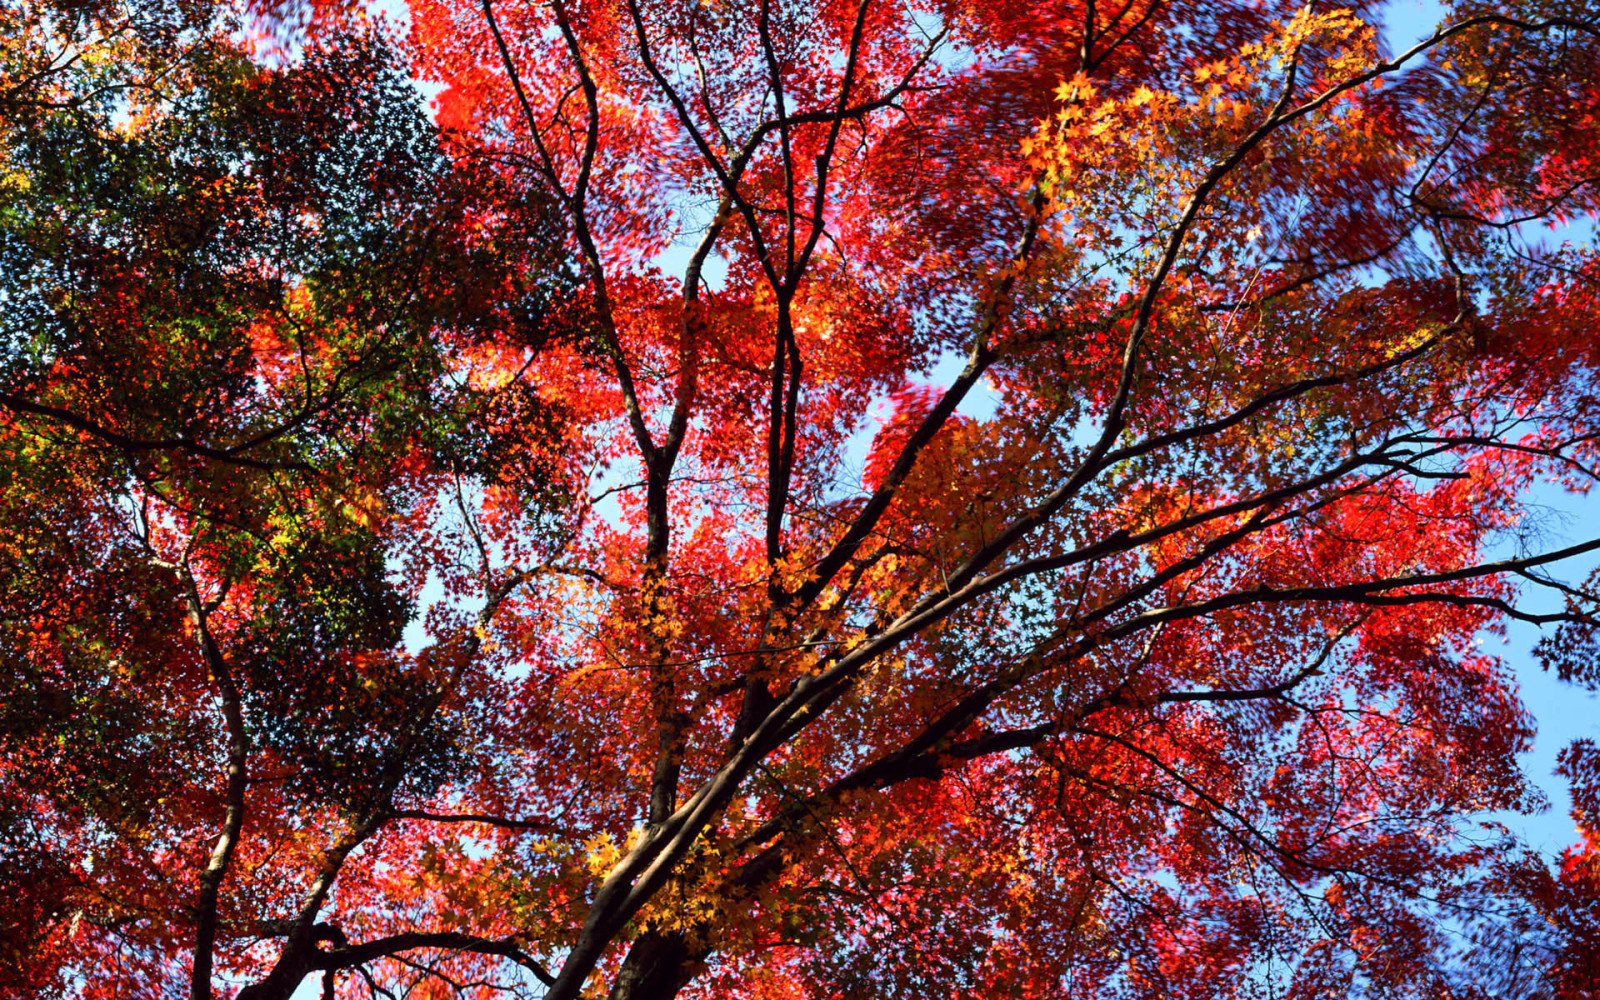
x=764, y=499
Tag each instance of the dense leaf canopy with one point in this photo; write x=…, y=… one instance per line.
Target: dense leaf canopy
x=767, y=499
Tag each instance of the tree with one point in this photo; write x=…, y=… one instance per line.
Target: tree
x=1574, y=904
x=231, y=295
x=410, y=583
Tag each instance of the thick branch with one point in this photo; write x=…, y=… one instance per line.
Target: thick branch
x=396, y=944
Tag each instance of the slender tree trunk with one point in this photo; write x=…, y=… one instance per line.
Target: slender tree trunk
x=216, y=869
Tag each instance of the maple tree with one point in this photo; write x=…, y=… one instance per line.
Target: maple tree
x=523, y=548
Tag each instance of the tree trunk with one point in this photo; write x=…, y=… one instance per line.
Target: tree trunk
x=658, y=965
x=287, y=973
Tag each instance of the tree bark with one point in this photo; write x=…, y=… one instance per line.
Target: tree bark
x=658, y=965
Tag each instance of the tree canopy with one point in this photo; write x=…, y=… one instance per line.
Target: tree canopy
x=768, y=499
